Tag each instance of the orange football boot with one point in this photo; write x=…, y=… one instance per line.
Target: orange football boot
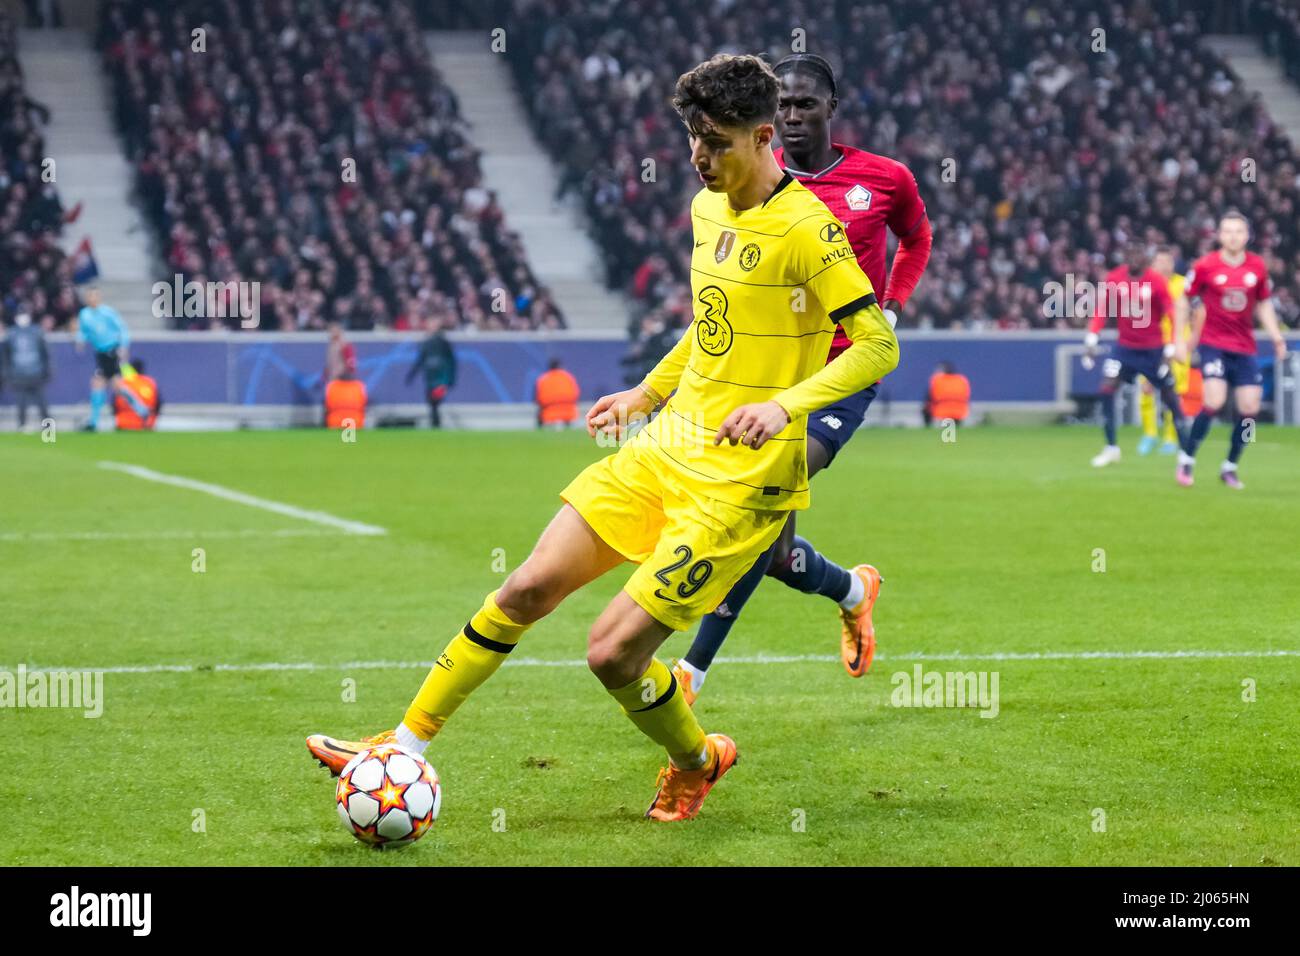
x=681, y=793
x=684, y=682
x=333, y=754
x=857, y=633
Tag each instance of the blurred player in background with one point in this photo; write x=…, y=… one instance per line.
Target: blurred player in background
x=1163, y=264
x=101, y=326
x=25, y=367
x=1232, y=285
x=436, y=362
x=340, y=354
x=1139, y=298
x=868, y=194
x=695, y=496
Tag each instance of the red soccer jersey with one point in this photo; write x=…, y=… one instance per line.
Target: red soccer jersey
x=1229, y=294
x=1138, y=303
x=866, y=192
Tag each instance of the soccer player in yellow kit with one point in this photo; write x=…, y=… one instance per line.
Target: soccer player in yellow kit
x=695, y=496
x=1163, y=263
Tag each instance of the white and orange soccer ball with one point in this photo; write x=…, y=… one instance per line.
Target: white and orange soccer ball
x=388, y=796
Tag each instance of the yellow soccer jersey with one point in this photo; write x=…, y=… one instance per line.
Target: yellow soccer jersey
x=1176, y=283
x=769, y=284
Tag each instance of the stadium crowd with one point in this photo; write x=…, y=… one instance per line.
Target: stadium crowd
x=35, y=275
x=1040, y=145
x=314, y=149
x=1277, y=24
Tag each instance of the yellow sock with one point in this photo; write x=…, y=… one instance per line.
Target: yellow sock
x=471, y=658
x=1171, y=433
x=1147, y=408
x=656, y=705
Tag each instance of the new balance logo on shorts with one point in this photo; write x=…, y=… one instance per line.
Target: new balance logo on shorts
x=831, y=421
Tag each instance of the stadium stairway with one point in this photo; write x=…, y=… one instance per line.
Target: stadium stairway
x=62, y=71
x=1262, y=75
x=514, y=164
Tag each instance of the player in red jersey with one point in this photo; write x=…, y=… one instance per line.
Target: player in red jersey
x=868, y=194
x=1232, y=284
x=1138, y=297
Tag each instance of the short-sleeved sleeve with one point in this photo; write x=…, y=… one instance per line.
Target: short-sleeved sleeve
x=1265, y=290
x=822, y=260
x=123, y=334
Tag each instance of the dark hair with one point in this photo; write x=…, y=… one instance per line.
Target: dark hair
x=731, y=90
x=137, y=363
x=809, y=64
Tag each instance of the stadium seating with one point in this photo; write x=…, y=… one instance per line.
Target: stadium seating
x=245, y=150
x=1082, y=149
x=1277, y=24
x=35, y=275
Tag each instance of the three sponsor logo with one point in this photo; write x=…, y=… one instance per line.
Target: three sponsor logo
x=712, y=330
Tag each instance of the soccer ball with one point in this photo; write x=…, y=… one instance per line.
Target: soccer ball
x=388, y=796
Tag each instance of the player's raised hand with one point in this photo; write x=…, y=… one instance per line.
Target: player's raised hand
x=611, y=414
x=752, y=425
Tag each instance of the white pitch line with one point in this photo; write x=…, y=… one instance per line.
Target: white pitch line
x=19, y=536
x=756, y=659
x=229, y=494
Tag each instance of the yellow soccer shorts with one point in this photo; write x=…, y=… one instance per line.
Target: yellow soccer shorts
x=691, y=548
x=1182, y=376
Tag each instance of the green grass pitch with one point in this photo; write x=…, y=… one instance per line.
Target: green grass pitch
x=989, y=547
